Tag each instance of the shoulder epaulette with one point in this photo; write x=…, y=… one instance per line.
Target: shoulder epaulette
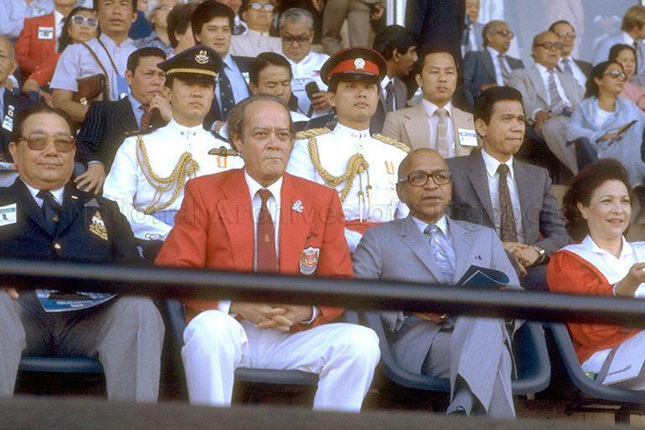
x=141, y=132
x=402, y=146
x=223, y=151
x=219, y=136
x=312, y=132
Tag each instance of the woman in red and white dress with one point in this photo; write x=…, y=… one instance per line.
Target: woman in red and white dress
x=598, y=209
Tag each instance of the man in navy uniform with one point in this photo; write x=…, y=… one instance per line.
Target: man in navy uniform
x=43, y=217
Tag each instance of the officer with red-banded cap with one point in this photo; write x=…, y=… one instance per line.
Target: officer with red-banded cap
x=150, y=170
x=360, y=166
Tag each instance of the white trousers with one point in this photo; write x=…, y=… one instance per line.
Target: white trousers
x=343, y=355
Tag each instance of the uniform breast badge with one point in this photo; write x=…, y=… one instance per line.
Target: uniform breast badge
x=97, y=226
x=297, y=206
x=309, y=260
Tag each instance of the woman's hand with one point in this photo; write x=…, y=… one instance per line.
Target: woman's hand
x=630, y=283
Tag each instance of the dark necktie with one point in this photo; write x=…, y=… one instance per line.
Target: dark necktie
x=508, y=230
x=389, y=96
x=226, y=95
x=146, y=117
x=51, y=211
x=503, y=68
x=267, y=261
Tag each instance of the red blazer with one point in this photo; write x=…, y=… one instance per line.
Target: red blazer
x=34, y=45
x=567, y=272
x=214, y=229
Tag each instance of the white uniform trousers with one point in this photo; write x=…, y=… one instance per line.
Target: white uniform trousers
x=343, y=355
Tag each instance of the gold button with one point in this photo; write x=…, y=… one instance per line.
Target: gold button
x=56, y=218
x=57, y=246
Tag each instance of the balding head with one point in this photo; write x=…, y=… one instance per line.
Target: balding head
x=546, y=49
x=424, y=184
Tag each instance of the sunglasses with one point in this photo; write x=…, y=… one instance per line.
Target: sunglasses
x=550, y=45
x=301, y=40
x=616, y=74
x=40, y=141
x=567, y=34
x=267, y=7
x=85, y=20
x=505, y=33
x=420, y=179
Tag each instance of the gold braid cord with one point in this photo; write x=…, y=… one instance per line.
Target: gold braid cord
x=402, y=146
x=355, y=166
x=185, y=167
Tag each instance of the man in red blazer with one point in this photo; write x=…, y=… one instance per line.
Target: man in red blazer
x=37, y=40
x=299, y=226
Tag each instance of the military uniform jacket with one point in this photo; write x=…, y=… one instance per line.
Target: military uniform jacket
x=129, y=180
x=91, y=228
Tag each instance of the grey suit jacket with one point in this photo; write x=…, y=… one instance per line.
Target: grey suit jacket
x=479, y=70
x=398, y=251
x=410, y=126
x=542, y=220
x=534, y=93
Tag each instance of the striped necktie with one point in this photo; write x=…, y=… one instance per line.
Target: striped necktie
x=441, y=252
x=508, y=230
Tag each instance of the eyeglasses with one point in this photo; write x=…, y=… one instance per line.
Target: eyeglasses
x=40, y=141
x=301, y=40
x=566, y=34
x=267, y=7
x=505, y=33
x=616, y=74
x=420, y=179
x=85, y=20
x=550, y=45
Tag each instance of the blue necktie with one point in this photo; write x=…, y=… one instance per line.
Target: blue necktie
x=441, y=251
x=51, y=211
x=226, y=95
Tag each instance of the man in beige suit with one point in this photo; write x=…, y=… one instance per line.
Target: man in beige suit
x=435, y=123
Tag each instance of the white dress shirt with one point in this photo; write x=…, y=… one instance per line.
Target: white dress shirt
x=546, y=75
x=492, y=164
x=253, y=43
x=384, y=83
x=58, y=22
x=581, y=78
x=58, y=194
x=433, y=122
x=307, y=70
x=499, y=78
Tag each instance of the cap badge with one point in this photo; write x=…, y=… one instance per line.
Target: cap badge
x=202, y=57
x=359, y=63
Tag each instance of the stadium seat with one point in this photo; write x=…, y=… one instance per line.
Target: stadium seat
x=79, y=365
x=628, y=399
x=531, y=358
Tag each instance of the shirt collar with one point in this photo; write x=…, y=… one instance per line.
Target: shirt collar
x=254, y=187
x=183, y=130
x=58, y=193
x=111, y=44
x=304, y=61
x=492, y=164
x=494, y=52
x=386, y=80
x=360, y=134
x=431, y=108
x=136, y=104
x=543, y=70
x=228, y=60
x=256, y=33
x=591, y=246
x=441, y=223
x=58, y=17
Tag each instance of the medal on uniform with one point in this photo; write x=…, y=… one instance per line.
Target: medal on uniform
x=309, y=260
x=97, y=226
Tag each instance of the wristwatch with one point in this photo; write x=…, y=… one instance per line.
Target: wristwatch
x=541, y=255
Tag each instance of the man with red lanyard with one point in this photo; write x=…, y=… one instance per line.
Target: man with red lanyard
x=360, y=166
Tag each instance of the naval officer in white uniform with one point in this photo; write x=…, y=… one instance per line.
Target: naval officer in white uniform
x=150, y=171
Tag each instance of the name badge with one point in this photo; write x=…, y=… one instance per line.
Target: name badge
x=467, y=137
x=45, y=33
x=299, y=84
x=8, y=214
x=7, y=124
x=122, y=87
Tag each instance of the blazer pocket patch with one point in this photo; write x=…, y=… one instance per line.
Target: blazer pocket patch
x=309, y=260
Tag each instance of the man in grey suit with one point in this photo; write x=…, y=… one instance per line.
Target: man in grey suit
x=434, y=123
x=430, y=247
x=549, y=97
x=579, y=69
x=490, y=67
x=632, y=34
x=492, y=188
